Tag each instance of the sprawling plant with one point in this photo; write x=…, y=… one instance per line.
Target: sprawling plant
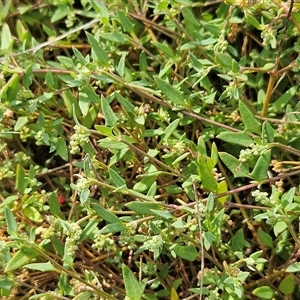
x=149, y=149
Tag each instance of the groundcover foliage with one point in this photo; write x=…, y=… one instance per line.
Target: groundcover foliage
x=149, y=149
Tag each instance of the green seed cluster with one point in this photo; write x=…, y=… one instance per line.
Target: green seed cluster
x=79, y=138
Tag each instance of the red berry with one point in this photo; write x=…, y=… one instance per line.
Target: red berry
x=61, y=199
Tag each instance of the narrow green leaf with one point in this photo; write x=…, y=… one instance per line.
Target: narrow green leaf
x=268, y=131
x=222, y=188
x=260, y=171
x=214, y=153
x=143, y=208
x=169, y=130
x=163, y=214
x=165, y=48
x=121, y=65
x=54, y=204
x=172, y=94
x=84, y=103
x=282, y=102
x=116, y=178
x=112, y=228
x=44, y=267
x=79, y=56
x=126, y=24
x=237, y=138
x=21, y=182
x=110, y=117
x=249, y=120
x=20, y=258
x=99, y=52
x=192, y=25
x=106, y=214
x=145, y=183
x=125, y=103
x=116, y=37
x=6, y=39
x=62, y=149
x=133, y=288
x=11, y=223
x=207, y=179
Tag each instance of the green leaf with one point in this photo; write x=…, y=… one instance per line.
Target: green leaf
x=163, y=214
x=207, y=179
x=287, y=285
x=133, y=288
x=224, y=59
x=106, y=214
x=237, y=168
x=32, y=214
x=54, y=204
x=237, y=241
x=222, y=188
x=264, y=292
x=254, y=22
x=116, y=37
x=265, y=238
x=79, y=56
x=116, y=178
x=260, y=171
x=165, y=48
x=110, y=117
x=113, y=228
x=21, y=182
x=11, y=223
x=214, y=153
x=169, y=130
x=145, y=183
x=282, y=102
x=288, y=198
x=84, y=103
x=192, y=25
x=99, y=52
x=20, y=258
x=121, y=65
x=6, y=39
x=62, y=149
x=249, y=120
x=268, y=131
x=237, y=138
x=126, y=24
x=295, y=267
x=172, y=94
x=189, y=253
x=44, y=267
x=144, y=208
x=125, y=103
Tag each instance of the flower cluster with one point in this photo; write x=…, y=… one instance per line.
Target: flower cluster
x=104, y=243
x=79, y=138
x=261, y=197
x=254, y=150
x=73, y=237
x=127, y=236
